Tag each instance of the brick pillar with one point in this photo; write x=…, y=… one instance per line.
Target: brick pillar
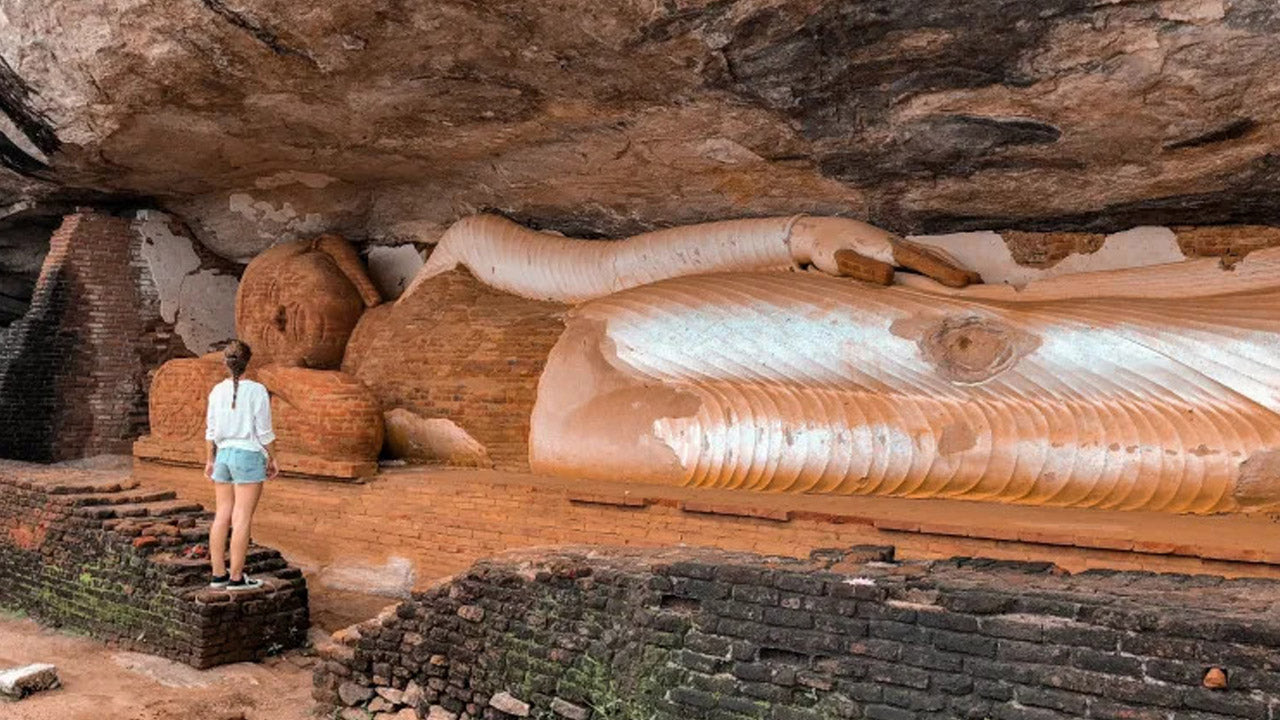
x=74, y=370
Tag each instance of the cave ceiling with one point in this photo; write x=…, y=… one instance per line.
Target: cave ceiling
x=385, y=120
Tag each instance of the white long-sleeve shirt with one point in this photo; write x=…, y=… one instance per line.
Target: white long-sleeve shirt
x=247, y=426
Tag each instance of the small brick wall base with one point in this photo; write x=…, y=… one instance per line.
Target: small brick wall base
x=689, y=635
x=96, y=552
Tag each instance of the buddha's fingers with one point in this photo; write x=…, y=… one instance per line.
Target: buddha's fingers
x=860, y=267
x=926, y=261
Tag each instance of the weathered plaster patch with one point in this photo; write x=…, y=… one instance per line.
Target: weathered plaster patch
x=972, y=350
x=392, y=268
x=394, y=579
x=169, y=257
x=1259, y=482
x=207, y=310
x=241, y=224
x=262, y=211
x=987, y=253
x=200, y=303
x=418, y=439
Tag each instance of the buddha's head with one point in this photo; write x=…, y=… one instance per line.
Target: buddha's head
x=299, y=301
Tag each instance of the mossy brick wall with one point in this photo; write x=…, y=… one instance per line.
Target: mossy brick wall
x=850, y=634
x=97, y=553
x=74, y=371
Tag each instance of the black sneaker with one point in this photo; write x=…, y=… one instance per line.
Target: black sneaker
x=220, y=581
x=244, y=583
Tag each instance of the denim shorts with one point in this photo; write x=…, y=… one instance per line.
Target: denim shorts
x=241, y=467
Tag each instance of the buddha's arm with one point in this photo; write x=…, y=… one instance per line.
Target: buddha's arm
x=542, y=266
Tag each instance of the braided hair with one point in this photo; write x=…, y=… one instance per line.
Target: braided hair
x=237, y=355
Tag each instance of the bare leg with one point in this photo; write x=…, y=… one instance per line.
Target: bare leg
x=221, y=527
x=241, y=524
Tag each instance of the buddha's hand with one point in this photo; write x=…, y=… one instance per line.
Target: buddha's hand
x=850, y=248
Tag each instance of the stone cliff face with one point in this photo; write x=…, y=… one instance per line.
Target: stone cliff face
x=257, y=120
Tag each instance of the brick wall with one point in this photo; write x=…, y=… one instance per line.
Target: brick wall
x=74, y=371
x=462, y=351
x=699, y=634
x=1229, y=242
x=95, y=552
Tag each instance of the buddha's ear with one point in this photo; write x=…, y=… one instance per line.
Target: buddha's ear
x=345, y=257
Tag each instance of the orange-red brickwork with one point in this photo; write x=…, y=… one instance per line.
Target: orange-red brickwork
x=298, y=302
x=461, y=351
x=441, y=521
x=326, y=422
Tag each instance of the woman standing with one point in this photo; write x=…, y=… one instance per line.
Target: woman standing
x=238, y=459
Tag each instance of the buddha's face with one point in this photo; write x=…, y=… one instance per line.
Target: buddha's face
x=296, y=308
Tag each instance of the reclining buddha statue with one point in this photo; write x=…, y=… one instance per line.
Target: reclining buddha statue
x=707, y=356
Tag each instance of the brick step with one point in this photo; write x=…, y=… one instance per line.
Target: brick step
x=179, y=528
x=79, y=487
x=150, y=509
x=286, y=579
x=124, y=497
x=115, y=531
x=176, y=561
x=187, y=572
x=196, y=576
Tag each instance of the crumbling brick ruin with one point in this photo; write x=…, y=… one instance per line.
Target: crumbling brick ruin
x=851, y=634
x=74, y=371
x=95, y=552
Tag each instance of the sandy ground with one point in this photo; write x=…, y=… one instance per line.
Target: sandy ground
x=99, y=682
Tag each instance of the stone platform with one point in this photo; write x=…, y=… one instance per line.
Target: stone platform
x=406, y=527
x=99, y=552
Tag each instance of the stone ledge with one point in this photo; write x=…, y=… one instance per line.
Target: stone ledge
x=719, y=508
x=1110, y=530
x=617, y=499
x=191, y=454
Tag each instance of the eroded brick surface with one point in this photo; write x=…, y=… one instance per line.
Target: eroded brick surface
x=707, y=634
x=74, y=371
x=458, y=350
x=97, y=552
x=299, y=301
